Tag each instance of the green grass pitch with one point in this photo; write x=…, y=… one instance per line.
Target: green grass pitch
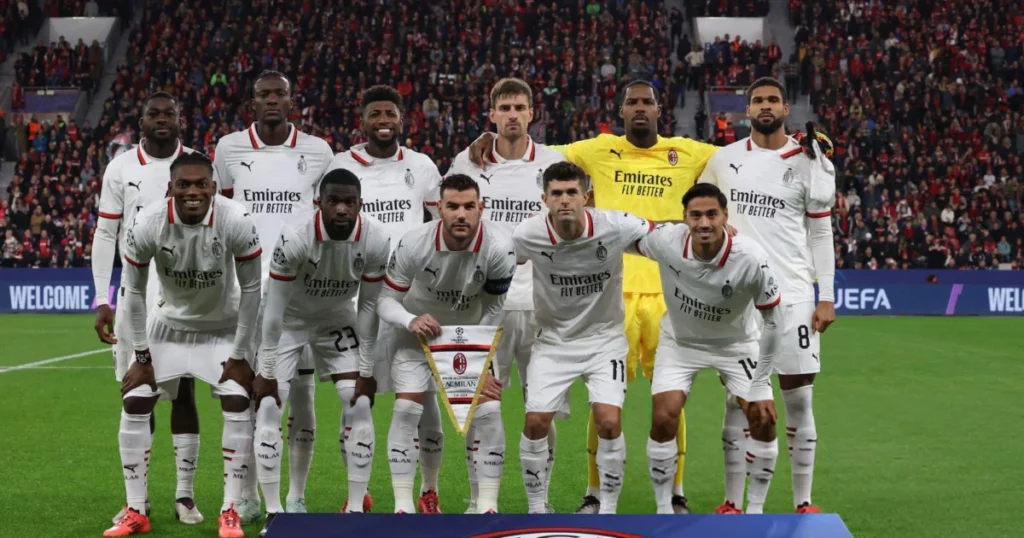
x=918, y=421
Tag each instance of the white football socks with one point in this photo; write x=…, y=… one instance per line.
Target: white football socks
x=761, y=458
x=134, y=442
x=236, y=444
x=268, y=446
x=611, y=464
x=404, y=453
x=186, y=456
x=734, y=439
x=490, y=454
x=360, y=447
x=301, y=434
x=661, y=462
x=533, y=457
x=431, y=438
x=802, y=437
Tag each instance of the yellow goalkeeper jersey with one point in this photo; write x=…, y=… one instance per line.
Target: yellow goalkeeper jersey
x=649, y=183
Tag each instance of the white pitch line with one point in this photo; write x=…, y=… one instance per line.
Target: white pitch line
x=53, y=360
x=69, y=368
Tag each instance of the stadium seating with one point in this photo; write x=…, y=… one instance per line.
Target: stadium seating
x=926, y=117
x=576, y=56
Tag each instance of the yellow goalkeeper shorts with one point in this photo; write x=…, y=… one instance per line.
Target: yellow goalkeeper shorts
x=643, y=326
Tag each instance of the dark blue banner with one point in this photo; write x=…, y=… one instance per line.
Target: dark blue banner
x=557, y=526
x=858, y=292
x=51, y=291
x=930, y=293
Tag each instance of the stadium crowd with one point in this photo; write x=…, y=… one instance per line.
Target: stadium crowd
x=925, y=114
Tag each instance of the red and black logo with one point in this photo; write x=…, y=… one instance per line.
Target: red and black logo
x=459, y=363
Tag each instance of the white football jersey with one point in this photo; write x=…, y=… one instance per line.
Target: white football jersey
x=133, y=180
x=330, y=270
x=769, y=201
x=577, y=284
x=276, y=184
x=448, y=284
x=511, y=191
x=711, y=301
x=395, y=191
x=195, y=264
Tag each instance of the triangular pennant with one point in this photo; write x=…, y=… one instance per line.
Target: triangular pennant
x=458, y=358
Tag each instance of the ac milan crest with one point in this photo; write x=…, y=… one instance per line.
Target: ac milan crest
x=673, y=157
x=459, y=363
x=409, y=180
x=302, y=164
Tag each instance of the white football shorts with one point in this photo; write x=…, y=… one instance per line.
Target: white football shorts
x=679, y=363
x=553, y=368
x=800, y=349
x=519, y=328
x=201, y=355
x=333, y=349
x=410, y=371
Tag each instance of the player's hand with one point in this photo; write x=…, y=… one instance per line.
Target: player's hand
x=263, y=388
x=365, y=386
x=732, y=231
x=492, y=387
x=425, y=326
x=105, y=324
x=138, y=374
x=480, y=150
x=762, y=412
x=808, y=141
x=239, y=371
x=824, y=316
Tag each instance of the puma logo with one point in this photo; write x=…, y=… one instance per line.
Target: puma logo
x=486, y=178
x=169, y=250
x=316, y=265
x=658, y=470
x=549, y=255
x=617, y=153
x=138, y=208
x=247, y=165
x=764, y=265
x=192, y=462
x=431, y=271
x=131, y=468
x=364, y=445
x=535, y=474
x=310, y=432
x=677, y=271
x=283, y=240
x=136, y=185
x=735, y=168
x=499, y=454
x=270, y=446
x=434, y=441
x=404, y=453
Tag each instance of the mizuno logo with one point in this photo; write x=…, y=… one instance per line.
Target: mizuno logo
x=248, y=165
x=136, y=185
x=735, y=168
x=617, y=153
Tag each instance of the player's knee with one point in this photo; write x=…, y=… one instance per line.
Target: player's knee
x=664, y=425
x=234, y=403
x=762, y=431
x=790, y=382
x=134, y=405
x=537, y=425
x=609, y=425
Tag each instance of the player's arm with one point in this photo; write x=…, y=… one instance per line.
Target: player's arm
x=500, y=270
x=432, y=200
x=820, y=198
x=767, y=297
x=651, y=243
x=367, y=321
x=104, y=245
x=397, y=281
x=246, y=250
x=221, y=175
x=282, y=285
x=139, y=251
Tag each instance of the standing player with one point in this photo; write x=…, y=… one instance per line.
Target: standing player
x=273, y=169
x=400, y=190
x=131, y=181
x=511, y=191
x=645, y=175
x=317, y=270
x=454, y=272
x=577, y=278
x=712, y=283
x=197, y=242
x=783, y=200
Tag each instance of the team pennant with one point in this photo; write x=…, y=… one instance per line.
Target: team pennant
x=458, y=358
